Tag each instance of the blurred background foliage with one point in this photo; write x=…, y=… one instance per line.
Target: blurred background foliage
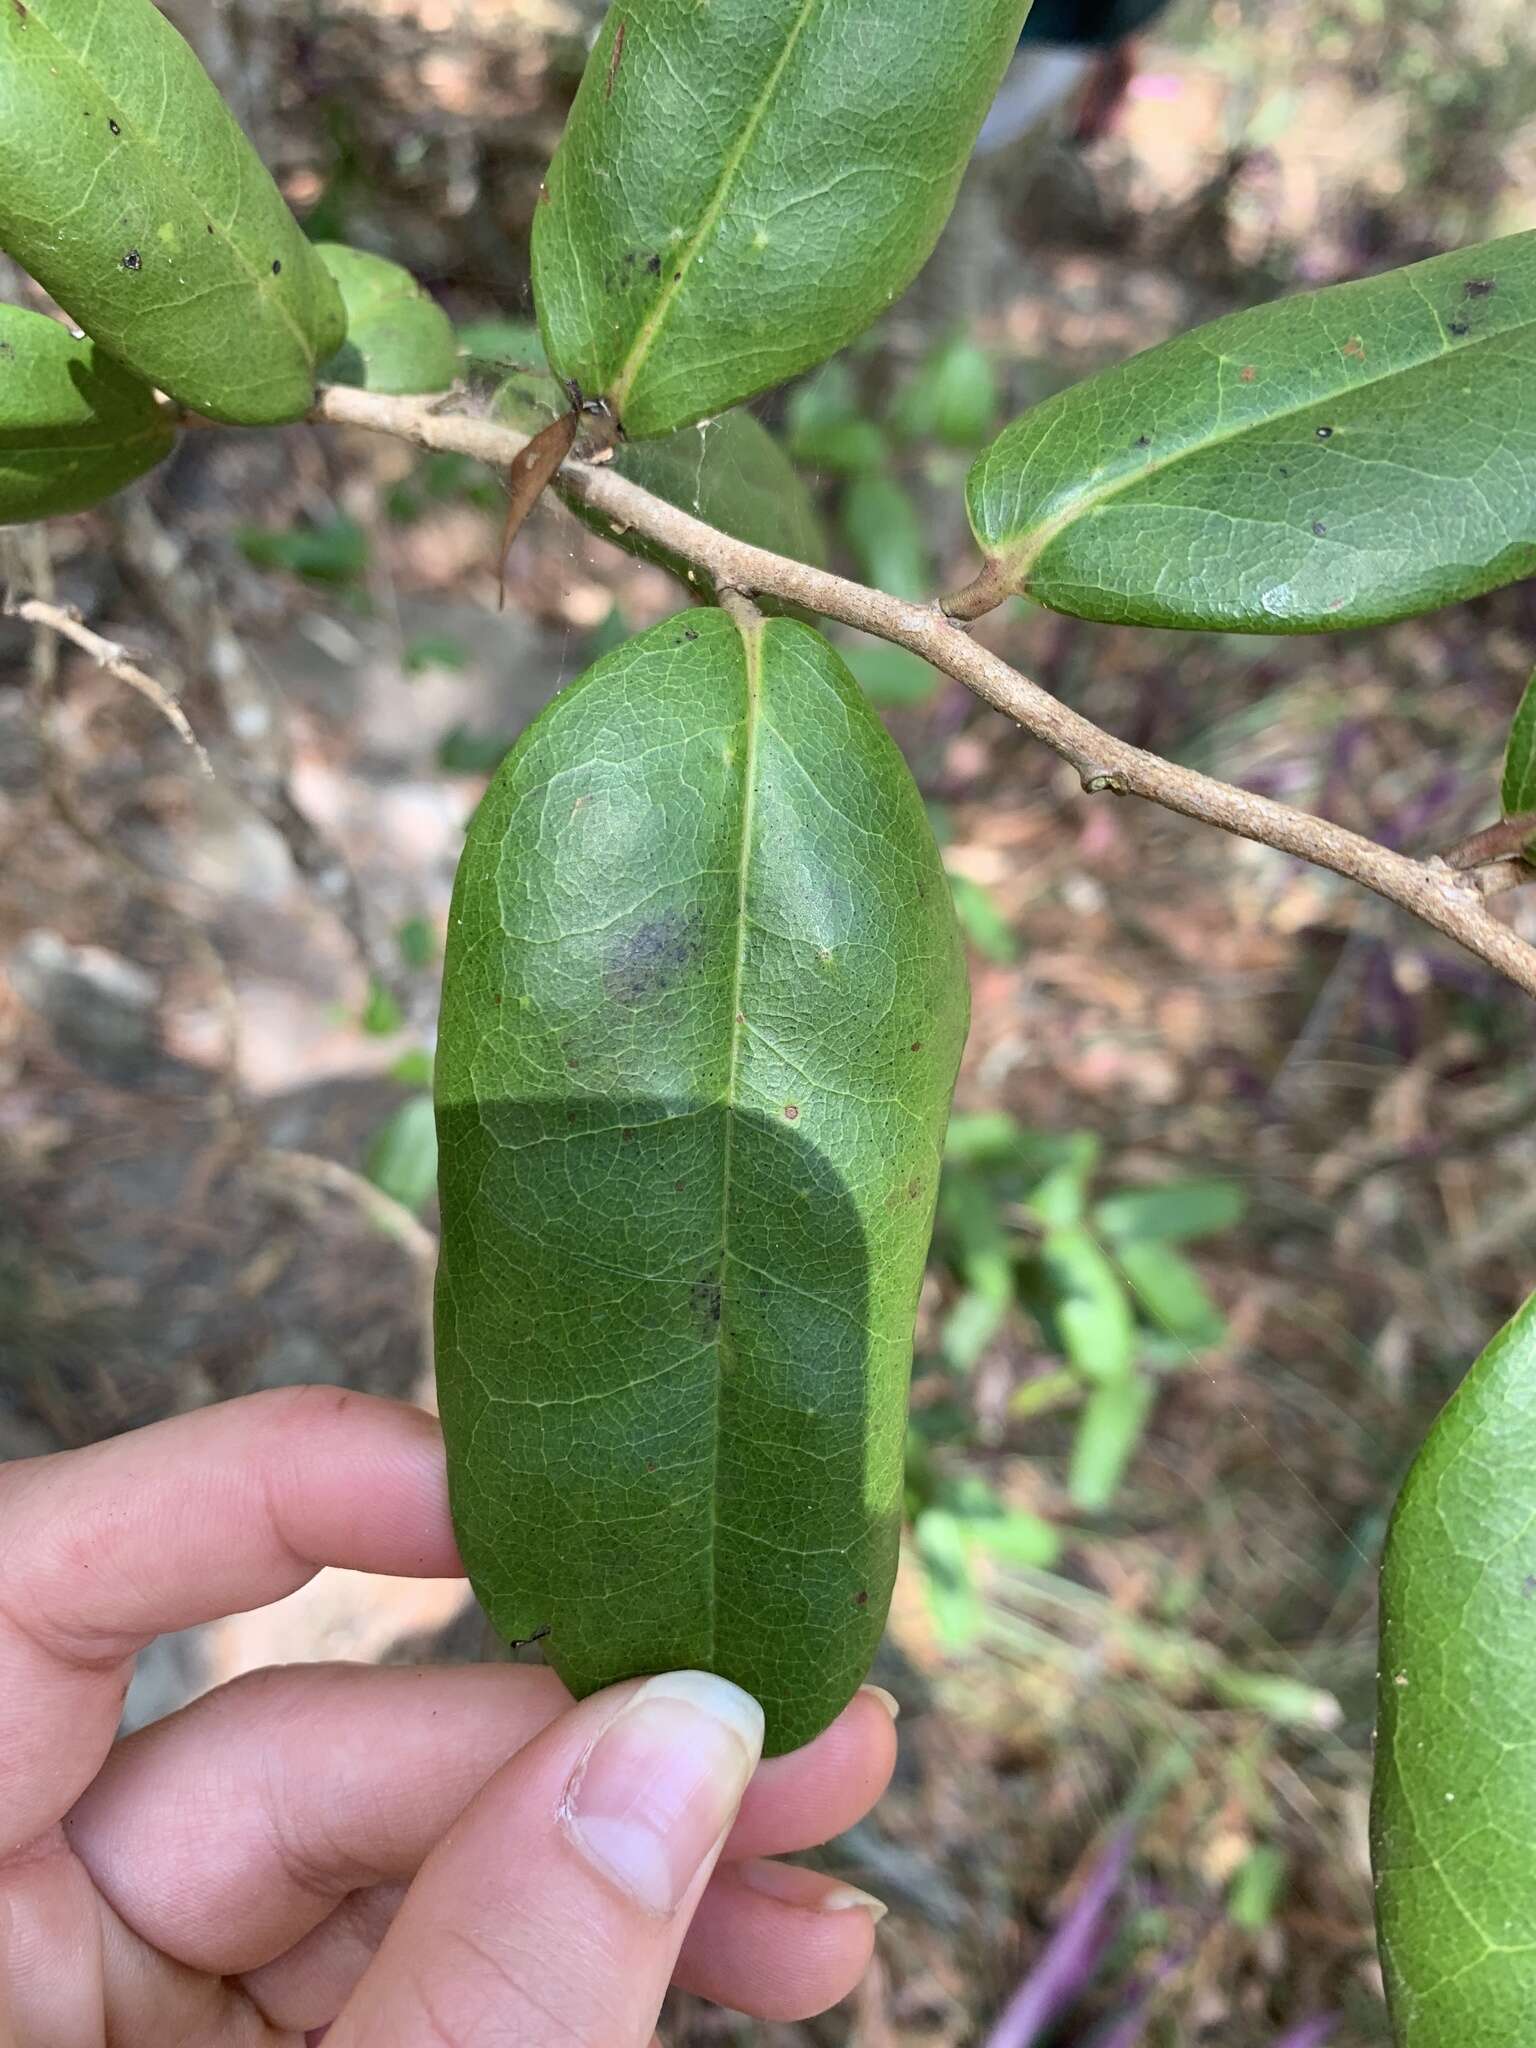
x=1240, y=1175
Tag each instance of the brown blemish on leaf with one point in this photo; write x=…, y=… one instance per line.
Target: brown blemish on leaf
x=19, y=11
x=861, y=1598
x=626, y=1137
x=132, y=261
x=1248, y=373
x=1480, y=287
x=1318, y=528
x=114, y=128
x=704, y=1299
x=916, y=1045
x=617, y=58
x=1355, y=347
x=791, y=1112
x=1458, y=327
x=1325, y=433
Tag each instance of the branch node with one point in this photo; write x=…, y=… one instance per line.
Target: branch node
x=1103, y=781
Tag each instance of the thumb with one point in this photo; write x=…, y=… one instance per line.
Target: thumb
x=552, y=1912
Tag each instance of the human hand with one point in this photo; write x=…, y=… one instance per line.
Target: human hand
x=432, y=1858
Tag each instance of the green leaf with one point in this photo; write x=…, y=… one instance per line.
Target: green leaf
x=398, y=338
x=983, y=922
x=130, y=194
x=743, y=187
x=892, y=675
x=1335, y=459
x=944, y=1550
x=828, y=430
x=1517, y=792
x=881, y=526
x=731, y=473
x=74, y=427
x=336, y=552
x=382, y=1016
x=497, y=345
x=1257, y=1888
x=1174, y=1212
x=402, y=1160
x=1454, y=1805
x=1090, y=1307
x=953, y=398
x=983, y=1256
x=691, y=1098
x=1171, y=1293
x=1112, y=1424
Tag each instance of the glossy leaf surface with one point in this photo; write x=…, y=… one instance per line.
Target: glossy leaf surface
x=703, y=1005
x=74, y=427
x=128, y=190
x=1454, y=1810
x=731, y=473
x=398, y=338
x=745, y=186
x=1339, y=458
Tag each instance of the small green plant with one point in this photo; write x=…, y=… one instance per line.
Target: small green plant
x=1102, y=1279
x=704, y=993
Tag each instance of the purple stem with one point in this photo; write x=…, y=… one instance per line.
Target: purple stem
x=1067, y=1962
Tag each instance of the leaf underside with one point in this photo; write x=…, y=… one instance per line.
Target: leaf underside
x=74, y=427
x=743, y=187
x=129, y=192
x=703, y=1006
x=1341, y=458
x=1454, y=1806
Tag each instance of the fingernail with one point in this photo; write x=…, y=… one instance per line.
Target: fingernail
x=795, y=1886
x=888, y=1700
x=661, y=1784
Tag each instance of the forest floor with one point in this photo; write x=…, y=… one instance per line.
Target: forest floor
x=216, y=993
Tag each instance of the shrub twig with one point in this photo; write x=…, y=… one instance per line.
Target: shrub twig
x=1448, y=900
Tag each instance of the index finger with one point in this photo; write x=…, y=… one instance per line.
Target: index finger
x=103, y=1549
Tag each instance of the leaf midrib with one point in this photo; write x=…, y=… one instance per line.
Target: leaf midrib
x=1018, y=559
x=145, y=139
x=656, y=319
x=752, y=650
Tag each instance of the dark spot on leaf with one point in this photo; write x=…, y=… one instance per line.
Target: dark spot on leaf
x=1355, y=347
x=704, y=1299
x=1143, y=440
x=114, y=127
x=650, y=1464
x=20, y=12
x=573, y=1065
x=653, y=265
x=496, y=999
x=626, y=1137
x=133, y=260
x=1528, y=1588
x=1458, y=326
x=7, y=348
x=1318, y=528
x=616, y=59
x=678, y=1186
x=1480, y=287
x=677, y=277
x=1283, y=470
x=916, y=1045
x=690, y=633
x=861, y=1598
x=277, y=266
x=791, y=1112
x=1248, y=373
x=914, y=1188
x=570, y=1116
x=522, y=1642
x=646, y=962
x=1325, y=433
x=210, y=227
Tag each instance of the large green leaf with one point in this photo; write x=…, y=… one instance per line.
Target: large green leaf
x=128, y=190
x=703, y=1004
x=73, y=426
x=1335, y=459
x=1454, y=1813
x=731, y=473
x=398, y=338
x=745, y=185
